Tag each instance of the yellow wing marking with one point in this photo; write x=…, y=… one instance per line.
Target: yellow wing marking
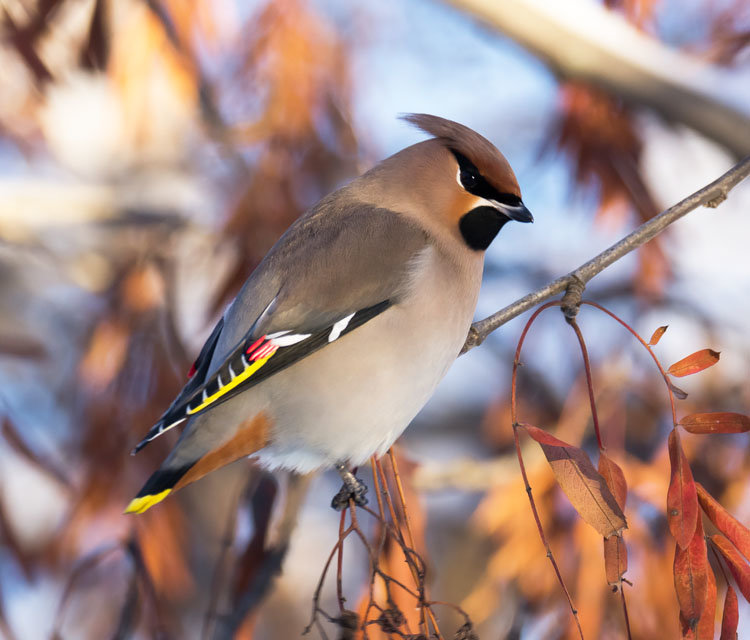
x=139, y=505
x=239, y=379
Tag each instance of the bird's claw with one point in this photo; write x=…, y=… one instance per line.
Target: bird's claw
x=352, y=489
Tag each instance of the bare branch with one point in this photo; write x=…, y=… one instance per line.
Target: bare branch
x=711, y=196
x=601, y=48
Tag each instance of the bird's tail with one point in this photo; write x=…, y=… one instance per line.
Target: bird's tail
x=161, y=483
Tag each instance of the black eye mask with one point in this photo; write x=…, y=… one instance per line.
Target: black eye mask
x=476, y=184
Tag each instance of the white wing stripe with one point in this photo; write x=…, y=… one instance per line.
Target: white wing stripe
x=338, y=327
x=288, y=340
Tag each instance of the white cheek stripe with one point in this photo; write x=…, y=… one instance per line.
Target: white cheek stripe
x=338, y=327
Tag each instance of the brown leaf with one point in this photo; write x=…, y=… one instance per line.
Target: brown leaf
x=657, y=335
x=682, y=500
x=704, y=630
x=737, y=564
x=615, y=559
x=585, y=488
x=719, y=422
x=694, y=363
x=615, y=550
x=691, y=576
x=731, y=616
x=724, y=521
x=615, y=479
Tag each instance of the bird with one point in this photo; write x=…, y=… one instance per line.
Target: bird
x=342, y=332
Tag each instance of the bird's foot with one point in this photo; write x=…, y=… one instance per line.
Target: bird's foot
x=352, y=489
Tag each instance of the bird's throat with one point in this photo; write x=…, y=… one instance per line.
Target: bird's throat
x=480, y=226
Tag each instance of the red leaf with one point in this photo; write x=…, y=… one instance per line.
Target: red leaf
x=731, y=617
x=736, y=562
x=682, y=500
x=716, y=423
x=725, y=522
x=543, y=437
x=691, y=576
x=585, y=488
x=687, y=632
x=694, y=363
x=657, y=335
x=707, y=624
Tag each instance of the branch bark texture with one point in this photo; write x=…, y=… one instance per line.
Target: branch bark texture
x=711, y=195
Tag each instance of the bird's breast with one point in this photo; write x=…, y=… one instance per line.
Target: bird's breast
x=353, y=398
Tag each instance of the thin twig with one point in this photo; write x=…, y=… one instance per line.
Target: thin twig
x=589, y=381
x=524, y=475
x=711, y=195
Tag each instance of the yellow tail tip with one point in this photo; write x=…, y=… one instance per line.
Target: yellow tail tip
x=144, y=503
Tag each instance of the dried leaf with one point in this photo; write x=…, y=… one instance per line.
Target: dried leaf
x=615, y=559
x=615, y=550
x=737, y=564
x=615, y=479
x=585, y=488
x=731, y=616
x=681, y=395
x=694, y=363
x=707, y=624
x=682, y=500
x=691, y=571
x=657, y=335
x=724, y=521
x=719, y=422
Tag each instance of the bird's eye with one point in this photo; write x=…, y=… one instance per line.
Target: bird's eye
x=469, y=179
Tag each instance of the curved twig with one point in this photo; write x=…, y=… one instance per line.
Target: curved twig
x=711, y=196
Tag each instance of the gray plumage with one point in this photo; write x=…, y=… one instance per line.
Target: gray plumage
x=403, y=236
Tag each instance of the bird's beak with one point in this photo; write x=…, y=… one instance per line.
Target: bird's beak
x=517, y=212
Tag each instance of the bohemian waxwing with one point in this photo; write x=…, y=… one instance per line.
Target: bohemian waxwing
x=343, y=331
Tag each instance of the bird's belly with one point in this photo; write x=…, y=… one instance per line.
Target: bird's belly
x=353, y=398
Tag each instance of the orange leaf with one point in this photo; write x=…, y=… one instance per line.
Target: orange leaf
x=725, y=522
x=691, y=576
x=716, y=423
x=657, y=335
x=615, y=479
x=682, y=500
x=736, y=562
x=707, y=624
x=585, y=488
x=731, y=617
x=694, y=363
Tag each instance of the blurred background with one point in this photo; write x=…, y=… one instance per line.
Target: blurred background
x=152, y=151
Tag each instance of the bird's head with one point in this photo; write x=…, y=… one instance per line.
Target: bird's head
x=461, y=180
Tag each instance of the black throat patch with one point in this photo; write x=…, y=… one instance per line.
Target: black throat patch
x=480, y=226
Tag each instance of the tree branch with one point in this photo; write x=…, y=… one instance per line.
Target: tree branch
x=711, y=195
x=584, y=41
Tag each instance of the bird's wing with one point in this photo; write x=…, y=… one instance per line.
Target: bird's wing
x=328, y=275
